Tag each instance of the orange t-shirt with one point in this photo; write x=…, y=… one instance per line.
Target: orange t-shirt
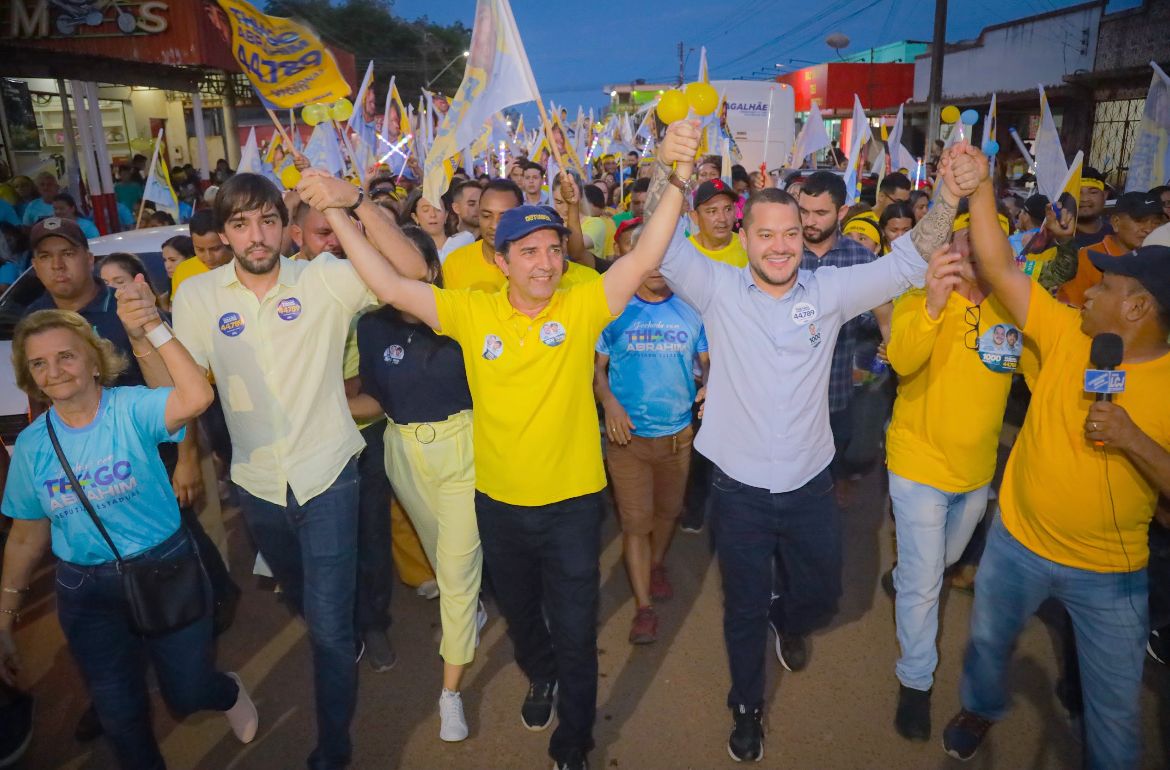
x=1073, y=291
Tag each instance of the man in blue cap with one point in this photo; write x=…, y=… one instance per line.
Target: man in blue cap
x=528, y=351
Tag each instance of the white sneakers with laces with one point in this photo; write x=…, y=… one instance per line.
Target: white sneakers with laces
x=452, y=724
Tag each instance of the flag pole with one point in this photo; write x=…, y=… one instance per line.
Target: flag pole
x=279, y=128
x=149, y=176
x=767, y=136
x=552, y=145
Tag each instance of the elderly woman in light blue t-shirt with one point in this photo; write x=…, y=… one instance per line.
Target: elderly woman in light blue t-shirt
x=110, y=437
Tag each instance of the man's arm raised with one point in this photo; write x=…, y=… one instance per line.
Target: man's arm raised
x=935, y=228
x=379, y=273
x=993, y=254
x=678, y=147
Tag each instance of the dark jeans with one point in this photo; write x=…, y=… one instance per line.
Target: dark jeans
x=801, y=529
x=215, y=426
x=312, y=550
x=841, y=423
x=223, y=588
x=92, y=609
x=375, y=571
x=547, y=557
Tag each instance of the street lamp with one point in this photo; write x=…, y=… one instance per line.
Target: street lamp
x=463, y=55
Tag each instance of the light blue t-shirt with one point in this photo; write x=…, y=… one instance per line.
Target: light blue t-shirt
x=116, y=460
x=651, y=346
x=34, y=211
x=88, y=228
x=8, y=214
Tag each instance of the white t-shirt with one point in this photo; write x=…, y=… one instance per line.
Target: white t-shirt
x=461, y=238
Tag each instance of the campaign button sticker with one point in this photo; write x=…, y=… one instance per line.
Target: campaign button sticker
x=231, y=324
x=552, y=333
x=288, y=308
x=493, y=347
x=803, y=313
x=394, y=354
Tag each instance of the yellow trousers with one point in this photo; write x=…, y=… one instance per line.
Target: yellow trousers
x=409, y=559
x=432, y=469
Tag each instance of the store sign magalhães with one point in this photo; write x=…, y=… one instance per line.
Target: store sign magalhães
x=85, y=18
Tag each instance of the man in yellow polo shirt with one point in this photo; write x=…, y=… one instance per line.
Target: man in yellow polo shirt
x=953, y=383
x=474, y=266
x=528, y=350
x=272, y=331
x=1078, y=493
x=714, y=215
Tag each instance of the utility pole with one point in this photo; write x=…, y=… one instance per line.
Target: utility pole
x=936, y=75
x=681, y=63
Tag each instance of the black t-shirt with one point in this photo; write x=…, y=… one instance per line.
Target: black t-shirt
x=415, y=374
x=1089, y=239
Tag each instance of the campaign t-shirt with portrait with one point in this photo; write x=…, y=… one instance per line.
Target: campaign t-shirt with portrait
x=116, y=461
x=651, y=347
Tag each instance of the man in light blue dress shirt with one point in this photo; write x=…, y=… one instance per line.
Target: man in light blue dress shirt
x=772, y=328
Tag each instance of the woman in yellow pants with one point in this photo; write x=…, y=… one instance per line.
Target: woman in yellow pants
x=417, y=378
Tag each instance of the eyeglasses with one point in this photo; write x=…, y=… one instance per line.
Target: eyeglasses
x=972, y=316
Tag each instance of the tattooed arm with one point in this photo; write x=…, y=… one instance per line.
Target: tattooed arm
x=959, y=180
x=659, y=182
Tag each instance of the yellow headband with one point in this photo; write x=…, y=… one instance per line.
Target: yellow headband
x=1096, y=184
x=963, y=221
x=862, y=226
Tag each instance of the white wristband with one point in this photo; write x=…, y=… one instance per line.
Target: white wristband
x=159, y=336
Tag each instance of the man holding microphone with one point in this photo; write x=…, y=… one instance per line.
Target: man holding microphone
x=1079, y=489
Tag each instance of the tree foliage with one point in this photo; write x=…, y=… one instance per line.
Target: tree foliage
x=412, y=51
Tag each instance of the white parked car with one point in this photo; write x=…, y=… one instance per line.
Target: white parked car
x=146, y=244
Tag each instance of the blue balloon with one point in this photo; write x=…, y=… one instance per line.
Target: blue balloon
x=969, y=117
x=990, y=147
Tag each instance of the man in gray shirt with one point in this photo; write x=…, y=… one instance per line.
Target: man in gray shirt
x=772, y=328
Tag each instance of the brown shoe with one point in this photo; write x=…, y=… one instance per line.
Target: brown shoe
x=660, y=588
x=644, y=629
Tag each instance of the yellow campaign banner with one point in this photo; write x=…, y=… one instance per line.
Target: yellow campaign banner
x=286, y=62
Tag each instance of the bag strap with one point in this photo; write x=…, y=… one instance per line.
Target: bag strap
x=77, y=490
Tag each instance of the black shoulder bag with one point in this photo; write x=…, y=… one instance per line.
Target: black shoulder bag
x=163, y=595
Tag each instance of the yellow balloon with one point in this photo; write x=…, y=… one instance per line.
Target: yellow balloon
x=312, y=114
x=702, y=97
x=950, y=114
x=8, y=194
x=289, y=177
x=141, y=145
x=672, y=106
x=341, y=109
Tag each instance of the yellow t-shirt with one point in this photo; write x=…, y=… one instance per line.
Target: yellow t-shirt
x=949, y=411
x=733, y=253
x=184, y=270
x=465, y=269
x=594, y=228
x=610, y=232
x=531, y=381
x=1063, y=498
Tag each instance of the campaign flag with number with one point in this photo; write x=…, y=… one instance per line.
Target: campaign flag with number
x=1149, y=165
x=284, y=59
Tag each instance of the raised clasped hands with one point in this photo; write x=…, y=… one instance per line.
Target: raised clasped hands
x=680, y=146
x=137, y=308
x=962, y=168
x=322, y=190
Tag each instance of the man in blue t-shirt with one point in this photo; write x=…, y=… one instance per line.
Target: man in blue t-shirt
x=646, y=382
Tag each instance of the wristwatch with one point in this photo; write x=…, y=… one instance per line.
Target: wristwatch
x=686, y=185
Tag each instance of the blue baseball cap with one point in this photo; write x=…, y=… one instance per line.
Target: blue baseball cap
x=524, y=220
x=1150, y=265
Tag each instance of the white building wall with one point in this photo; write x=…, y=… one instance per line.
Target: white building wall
x=1017, y=57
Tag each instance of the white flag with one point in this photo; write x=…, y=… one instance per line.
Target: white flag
x=497, y=76
x=859, y=135
x=900, y=157
x=813, y=137
x=1149, y=165
x=1051, y=168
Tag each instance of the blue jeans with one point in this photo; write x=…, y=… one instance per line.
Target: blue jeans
x=544, y=560
x=91, y=606
x=802, y=530
x=1110, y=618
x=933, y=528
x=312, y=550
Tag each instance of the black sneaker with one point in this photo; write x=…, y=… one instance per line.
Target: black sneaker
x=16, y=727
x=791, y=651
x=1158, y=646
x=537, y=711
x=912, y=719
x=964, y=733
x=746, y=743
x=575, y=761
x=89, y=727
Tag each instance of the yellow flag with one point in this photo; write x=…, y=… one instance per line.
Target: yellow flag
x=285, y=61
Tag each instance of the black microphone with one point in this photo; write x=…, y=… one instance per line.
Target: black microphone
x=1106, y=354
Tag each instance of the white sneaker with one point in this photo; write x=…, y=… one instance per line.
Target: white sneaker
x=452, y=724
x=480, y=621
x=242, y=715
x=428, y=590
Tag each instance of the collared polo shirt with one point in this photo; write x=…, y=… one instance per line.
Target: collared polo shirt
x=531, y=381
x=766, y=422
x=277, y=363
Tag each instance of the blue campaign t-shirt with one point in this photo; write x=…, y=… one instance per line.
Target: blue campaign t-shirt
x=115, y=459
x=651, y=346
